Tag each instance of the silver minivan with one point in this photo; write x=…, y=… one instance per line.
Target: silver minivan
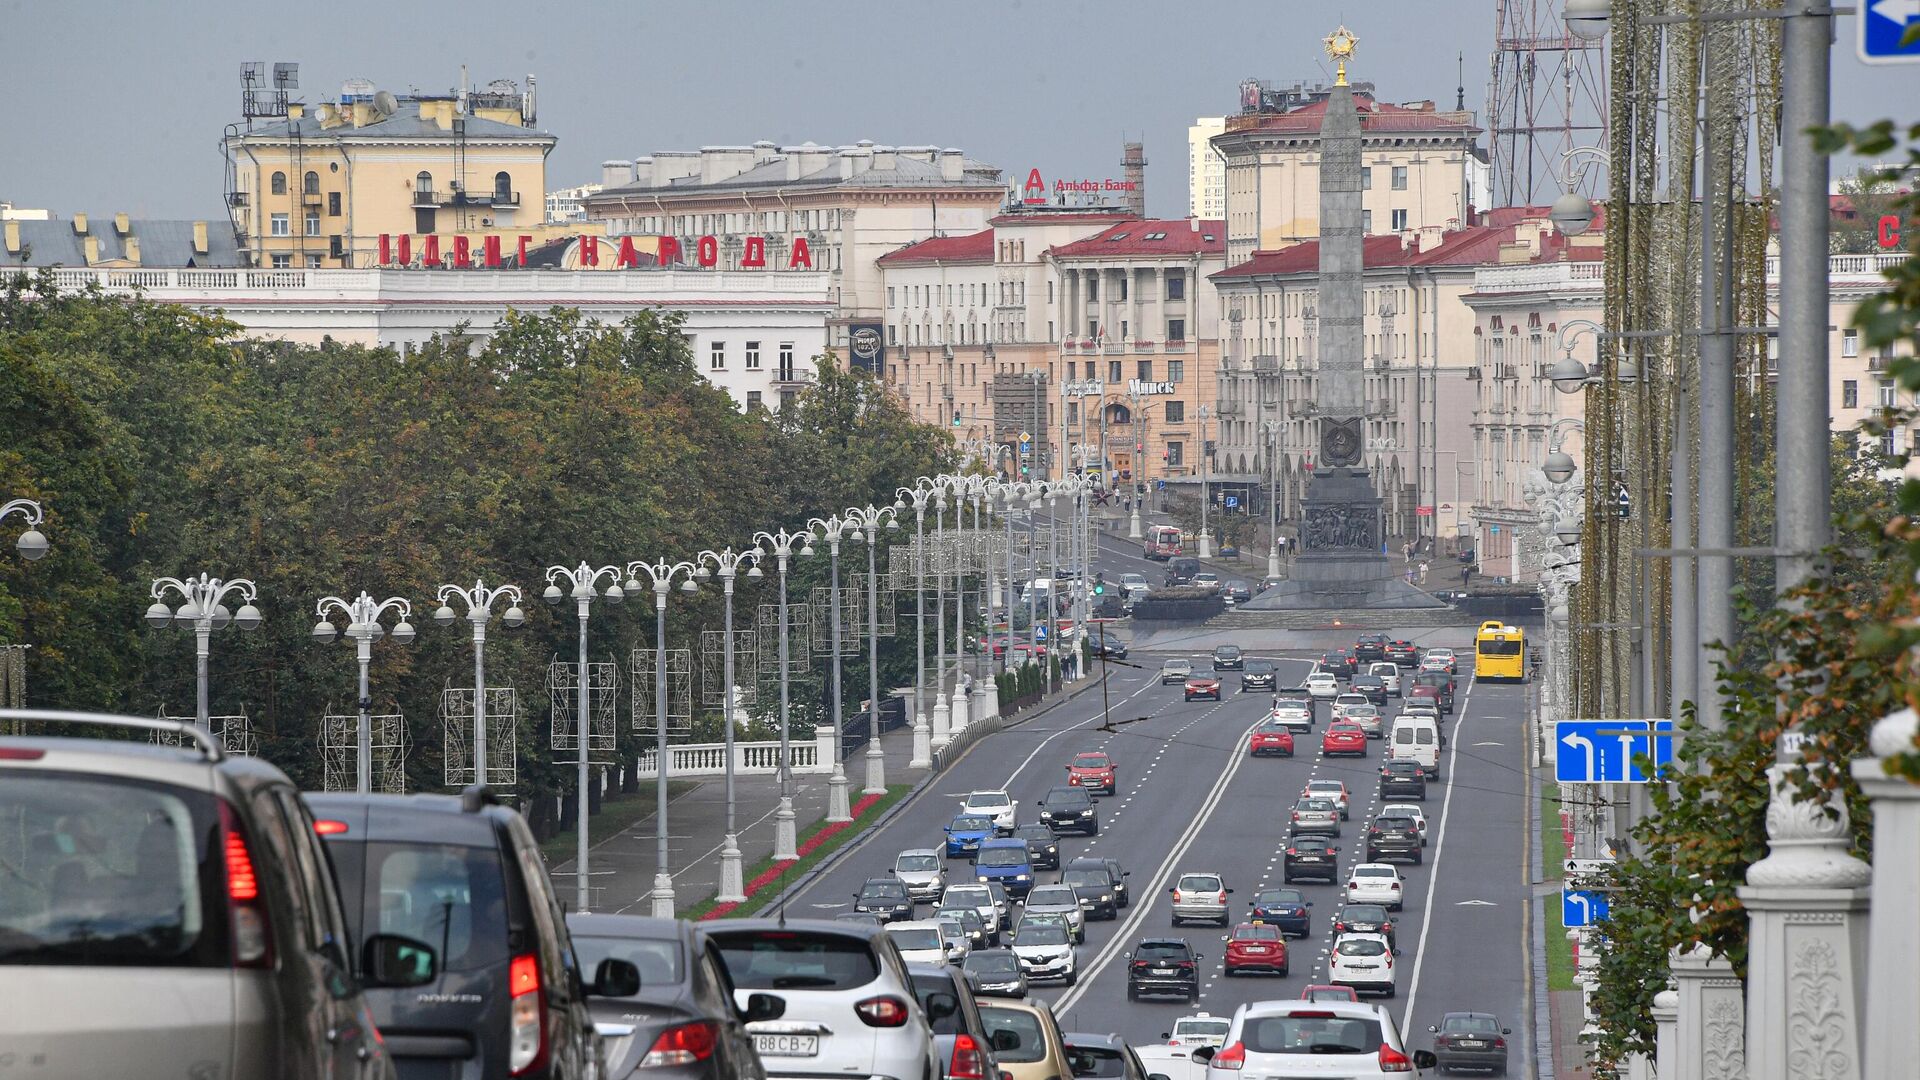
x=173, y=913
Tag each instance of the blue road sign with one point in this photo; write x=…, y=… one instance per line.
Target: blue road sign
x=1882, y=24
x=1160, y=484
x=1233, y=501
x=1582, y=907
x=1605, y=751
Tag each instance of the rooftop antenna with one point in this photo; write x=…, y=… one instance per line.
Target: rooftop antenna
x=1460, y=82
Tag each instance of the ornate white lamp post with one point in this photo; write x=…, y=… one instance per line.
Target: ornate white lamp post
x=781, y=546
x=362, y=614
x=727, y=563
x=924, y=491
x=834, y=529
x=202, y=609
x=661, y=575
x=583, y=581
x=479, y=602
x=872, y=519
x=32, y=544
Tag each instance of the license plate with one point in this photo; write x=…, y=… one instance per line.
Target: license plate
x=788, y=1045
x=1471, y=1044
x=1163, y=971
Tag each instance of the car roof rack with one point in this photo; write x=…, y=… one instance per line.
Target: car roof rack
x=202, y=740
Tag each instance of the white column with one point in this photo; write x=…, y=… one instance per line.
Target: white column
x=1666, y=1015
x=1892, y=1006
x=1806, y=941
x=1710, y=1024
x=942, y=730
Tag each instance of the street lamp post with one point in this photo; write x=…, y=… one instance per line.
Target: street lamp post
x=584, y=580
x=1273, y=496
x=727, y=563
x=943, y=724
x=872, y=519
x=833, y=529
x=661, y=574
x=780, y=545
x=363, y=626
x=32, y=544
x=479, y=602
x=923, y=491
x=201, y=609
x=1206, y=477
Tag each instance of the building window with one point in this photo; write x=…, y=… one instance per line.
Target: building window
x=1176, y=371
x=423, y=220
x=333, y=204
x=1366, y=221
x=1145, y=369
x=336, y=245
x=753, y=400
x=893, y=338
x=423, y=183
x=282, y=262
x=717, y=356
x=1093, y=328
x=889, y=296
x=1399, y=221
x=1113, y=371
x=1123, y=289
x=502, y=187
x=1399, y=178
x=1176, y=285
x=310, y=184
x=1126, y=330
x=1849, y=343
x=313, y=262
x=1850, y=394
x=1176, y=455
x=1176, y=412
x=1176, y=331
x=753, y=356
x=1093, y=288
x=280, y=225
x=1366, y=179
x=313, y=223
x=785, y=373
x=279, y=183
x=1886, y=394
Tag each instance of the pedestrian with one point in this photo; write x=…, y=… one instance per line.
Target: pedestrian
x=1465, y=573
x=1423, y=571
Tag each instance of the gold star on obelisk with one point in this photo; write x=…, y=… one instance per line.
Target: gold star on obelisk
x=1340, y=45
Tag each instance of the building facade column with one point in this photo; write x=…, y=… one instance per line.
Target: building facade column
x=1892, y=1006
x=1666, y=1017
x=1710, y=1018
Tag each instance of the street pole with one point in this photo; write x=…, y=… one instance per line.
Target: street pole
x=942, y=728
x=871, y=519
x=1273, y=493
x=660, y=574
x=921, y=493
x=363, y=626
x=785, y=831
x=727, y=563
x=479, y=602
x=1206, y=474
x=201, y=609
x=839, y=807
x=1802, y=506
x=1715, y=517
x=584, y=580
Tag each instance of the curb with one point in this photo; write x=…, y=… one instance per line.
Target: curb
x=1539, y=1004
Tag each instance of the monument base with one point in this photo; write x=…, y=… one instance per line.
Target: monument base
x=1342, y=567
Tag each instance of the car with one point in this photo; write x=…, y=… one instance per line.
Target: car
x=1370, y=647
x=1070, y=808
x=1295, y=718
x=1027, y=1040
x=1402, y=653
x=1004, y=860
x=1102, y=643
x=1309, y=855
x=681, y=1008
x=864, y=918
x=1318, y=1038
x=1367, y=718
x=1175, y=671
x=1200, y=897
x=1364, y=919
x=1393, y=838
x=1122, y=895
x=994, y=803
x=1256, y=947
x=1336, y=663
x=1057, y=900
x=1043, y=847
x=1375, y=883
x=1093, y=885
x=1330, y=789
x=953, y=927
x=1347, y=701
x=844, y=1001
x=981, y=900
x=1407, y=810
x=1416, y=737
x=886, y=898
x=1373, y=687
x=1323, y=686
x=1258, y=675
x=995, y=973
x=154, y=918
x=1272, y=736
x=1363, y=962
x=1237, y=591
x=1284, y=908
x=1163, y=966
x=1445, y=658
x=1200, y=1029
x=1206, y=579
x=1325, y=992
x=1436, y=696
x=960, y=1038
x=1090, y=1055
x=923, y=872
x=1202, y=686
x=970, y=921
x=921, y=941
x=451, y=870
x=1388, y=673
x=1344, y=738
x=1045, y=952
x=1135, y=583
x=964, y=834
x=1316, y=816
x=1470, y=1040
x=1403, y=780
x=1095, y=771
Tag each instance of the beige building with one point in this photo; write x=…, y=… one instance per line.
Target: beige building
x=321, y=186
x=1206, y=170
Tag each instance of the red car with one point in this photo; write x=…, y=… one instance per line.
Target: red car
x=1203, y=686
x=1324, y=992
x=1094, y=771
x=1256, y=947
x=1344, y=739
x=1271, y=738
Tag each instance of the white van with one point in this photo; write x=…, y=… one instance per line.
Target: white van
x=1416, y=737
x=1389, y=673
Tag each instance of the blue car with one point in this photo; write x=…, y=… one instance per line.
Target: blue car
x=1007, y=861
x=964, y=834
x=1284, y=908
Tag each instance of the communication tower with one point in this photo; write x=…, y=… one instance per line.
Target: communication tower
x=1547, y=95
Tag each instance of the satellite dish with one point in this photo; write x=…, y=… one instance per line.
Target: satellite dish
x=384, y=104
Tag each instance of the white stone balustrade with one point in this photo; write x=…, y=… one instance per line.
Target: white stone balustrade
x=750, y=758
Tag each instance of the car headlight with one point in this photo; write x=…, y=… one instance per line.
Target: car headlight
x=1021, y=877
x=1104, y=897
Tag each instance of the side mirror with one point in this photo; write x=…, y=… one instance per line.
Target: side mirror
x=1506, y=1031
x=1229, y=892
x=1424, y=1059
x=1126, y=873
x=940, y=1006
x=615, y=978
x=1435, y=1028
x=764, y=1007
x=1204, y=1054
x=1309, y=903
x=1126, y=956
x=391, y=960
x=1166, y=1034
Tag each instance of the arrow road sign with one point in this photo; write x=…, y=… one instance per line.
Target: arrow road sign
x=1883, y=25
x=1605, y=751
x=1582, y=907
x=1587, y=867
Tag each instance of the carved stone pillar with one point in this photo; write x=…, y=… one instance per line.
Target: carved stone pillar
x=1710, y=1018
x=1666, y=1017
x=1806, y=952
x=1892, y=1021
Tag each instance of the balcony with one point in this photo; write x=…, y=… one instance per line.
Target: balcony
x=1266, y=362
x=429, y=200
x=1473, y=374
x=236, y=198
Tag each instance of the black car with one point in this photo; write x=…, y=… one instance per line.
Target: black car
x=995, y=973
x=1393, y=838
x=1228, y=658
x=960, y=1038
x=1090, y=1055
x=1237, y=591
x=1339, y=663
x=1043, y=847
x=1403, y=780
x=1120, y=876
x=1470, y=1040
x=1364, y=919
x=1163, y=966
x=1181, y=571
x=1310, y=856
x=1258, y=675
x=1373, y=686
x=1093, y=885
x=683, y=1003
x=1070, y=809
x=1370, y=647
x=1403, y=652
x=1284, y=908
x=969, y=918
x=1104, y=644
x=885, y=897
x=440, y=868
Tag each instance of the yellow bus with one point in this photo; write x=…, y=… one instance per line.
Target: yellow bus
x=1499, y=652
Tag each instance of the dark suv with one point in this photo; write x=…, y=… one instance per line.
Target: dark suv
x=1393, y=838
x=467, y=871
x=1228, y=658
x=1257, y=675
x=1403, y=780
x=1181, y=571
x=1163, y=966
x=1070, y=809
x=1370, y=647
x=1310, y=856
x=1095, y=885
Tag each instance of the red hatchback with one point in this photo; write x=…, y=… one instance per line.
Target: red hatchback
x=1344, y=739
x=1202, y=686
x=1271, y=737
x=1256, y=947
x=1094, y=771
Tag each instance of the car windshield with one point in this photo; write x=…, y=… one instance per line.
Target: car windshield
x=1051, y=896
x=1374, y=872
x=1439, y=654
x=1176, y=665
x=1276, y=897
x=1256, y=933
x=1321, y=678
x=1068, y=796
x=1015, y=1034
x=1034, y=832
x=659, y=959
x=1090, y=761
x=1161, y=950
x=971, y=895
x=1095, y=1062
x=1360, y=946
x=1328, y=788
x=1041, y=933
x=988, y=799
x=965, y=916
x=1259, y=667
x=1344, y=729
x=1199, y=883
x=796, y=960
x=1270, y=726
x=915, y=938
x=1316, y=1032
x=422, y=891
x=1367, y=680
x=971, y=824
x=1403, y=768
x=1227, y=651
x=883, y=890
x=917, y=864
x=1085, y=877
x=1319, y=806
x=1007, y=856
x=992, y=965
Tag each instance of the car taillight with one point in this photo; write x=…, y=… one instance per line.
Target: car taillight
x=683, y=1044
x=1353, y=884
x=1395, y=886
x=1176, y=896
x=1499, y=1043
x=1223, y=896
x=968, y=1062
x=252, y=935
x=527, y=1043
x=329, y=828
x=882, y=1012
x=1392, y=1060
x=20, y=753
x=1230, y=1057
x=1442, y=1040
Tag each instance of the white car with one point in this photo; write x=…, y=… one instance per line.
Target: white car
x=1200, y=1029
x=980, y=899
x=1343, y=703
x=1329, y=789
x=923, y=872
x=1409, y=810
x=1058, y=900
x=1323, y=685
x=1375, y=883
x=1295, y=714
x=922, y=941
x=1363, y=962
x=1135, y=586
x=998, y=805
x=1045, y=951
x=1314, y=1038
x=1388, y=673
x=1368, y=718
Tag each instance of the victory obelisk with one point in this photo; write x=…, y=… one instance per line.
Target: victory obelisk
x=1341, y=565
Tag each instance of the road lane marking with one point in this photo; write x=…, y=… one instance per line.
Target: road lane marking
x=1439, y=843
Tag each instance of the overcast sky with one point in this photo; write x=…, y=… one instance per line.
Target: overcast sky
x=119, y=104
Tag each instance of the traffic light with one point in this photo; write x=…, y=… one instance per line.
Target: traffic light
x=956, y=418
x=1099, y=584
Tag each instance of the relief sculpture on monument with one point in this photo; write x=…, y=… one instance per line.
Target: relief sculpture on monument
x=1332, y=528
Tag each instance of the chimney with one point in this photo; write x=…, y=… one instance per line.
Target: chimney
x=953, y=165
x=131, y=249
x=885, y=157
x=91, y=247
x=121, y=226
x=13, y=237
x=671, y=165
x=1431, y=236
x=80, y=224
x=764, y=151
x=642, y=170
x=719, y=164
x=362, y=113
x=296, y=110
x=199, y=238
x=616, y=173
x=1133, y=165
